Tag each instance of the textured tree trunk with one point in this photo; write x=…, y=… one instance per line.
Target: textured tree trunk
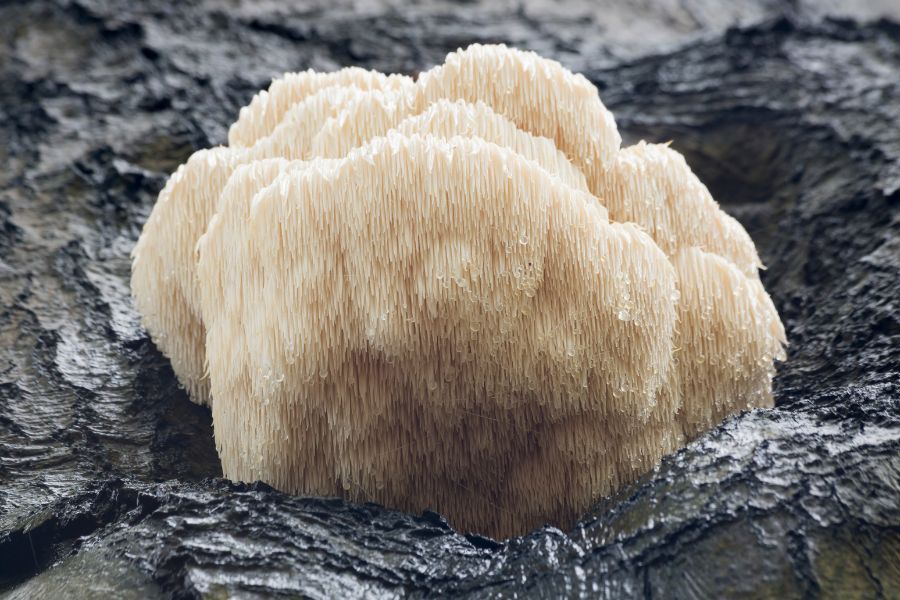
x=107, y=471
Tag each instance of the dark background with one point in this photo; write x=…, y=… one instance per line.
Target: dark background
x=789, y=111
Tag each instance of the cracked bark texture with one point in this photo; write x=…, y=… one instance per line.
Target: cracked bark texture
x=108, y=473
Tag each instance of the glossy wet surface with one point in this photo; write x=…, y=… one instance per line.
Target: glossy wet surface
x=106, y=468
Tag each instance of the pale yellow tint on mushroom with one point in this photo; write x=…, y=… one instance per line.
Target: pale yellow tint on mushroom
x=538, y=95
x=163, y=278
x=729, y=336
x=165, y=251
x=728, y=331
x=433, y=324
x=267, y=109
x=443, y=317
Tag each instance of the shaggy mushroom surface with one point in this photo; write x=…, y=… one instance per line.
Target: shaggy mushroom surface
x=456, y=293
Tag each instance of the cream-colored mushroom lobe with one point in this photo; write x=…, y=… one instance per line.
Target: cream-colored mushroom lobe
x=373, y=114
x=729, y=332
x=729, y=335
x=163, y=278
x=652, y=185
x=267, y=109
x=454, y=293
x=165, y=251
x=538, y=95
x=359, y=349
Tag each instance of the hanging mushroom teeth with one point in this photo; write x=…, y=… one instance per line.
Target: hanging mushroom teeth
x=652, y=185
x=412, y=292
x=522, y=281
x=165, y=251
x=267, y=109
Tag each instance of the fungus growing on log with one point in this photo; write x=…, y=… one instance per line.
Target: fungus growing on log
x=523, y=269
x=165, y=251
x=456, y=293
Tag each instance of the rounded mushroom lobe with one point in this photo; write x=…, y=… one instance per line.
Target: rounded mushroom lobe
x=259, y=118
x=456, y=293
x=498, y=322
x=537, y=94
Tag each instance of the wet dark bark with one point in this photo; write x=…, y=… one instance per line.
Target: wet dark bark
x=107, y=471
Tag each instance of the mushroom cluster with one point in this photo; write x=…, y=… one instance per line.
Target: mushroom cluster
x=454, y=293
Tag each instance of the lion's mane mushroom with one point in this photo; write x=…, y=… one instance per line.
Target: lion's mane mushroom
x=729, y=332
x=341, y=330
x=537, y=94
x=267, y=109
x=165, y=251
x=454, y=293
